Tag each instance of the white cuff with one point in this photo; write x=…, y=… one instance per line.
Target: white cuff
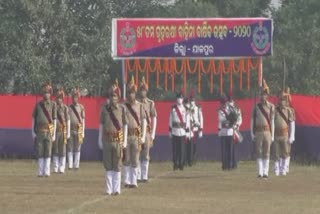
x=54, y=130
x=272, y=130
x=144, y=130
x=68, y=129
x=154, y=127
x=251, y=129
x=292, y=131
x=125, y=136
x=83, y=127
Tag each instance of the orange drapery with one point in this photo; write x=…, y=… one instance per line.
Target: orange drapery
x=169, y=68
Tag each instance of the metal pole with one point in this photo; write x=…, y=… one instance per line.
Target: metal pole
x=261, y=69
x=284, y=74
x=123, y=76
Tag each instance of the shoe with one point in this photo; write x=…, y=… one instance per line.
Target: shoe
x=259, y=176
x=133, y=187
x=144, y=181
x=127, y=186
x=265, y=176
x=115, y=194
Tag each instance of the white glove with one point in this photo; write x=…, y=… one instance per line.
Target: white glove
x=291, y=140
x=200, y=134
x=54, y=130
x=83, y=124
x=154, y=125
x=252, y=136
x=125, y=136
x=34, y=135
x=144, y=131
x=272, y=130
x=68, y=129
x=100, y=137
x=292, y=132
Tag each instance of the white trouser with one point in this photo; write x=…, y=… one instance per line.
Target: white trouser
x=116, y=182
x=62, y=164
x=76, y=160
x=144, y=170
x=126, y=174
x=133, y=176
x=109, y=187
x=70, y=160
x=47, y=162
x=260, y=167
x=266, y=167
x=41, y=167
x=55, y=164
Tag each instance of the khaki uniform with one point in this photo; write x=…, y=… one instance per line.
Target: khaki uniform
x=59, y=146
x=43, y=129
x=132, y=151
x=293, y=113
x=76, y=135
x=112, y=138
x=263, y=132
x=75, y=142
x=134, y=134
x=282, y=132
x=150, y=112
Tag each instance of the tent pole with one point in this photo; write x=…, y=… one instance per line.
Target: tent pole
x=123, y=76
x=261, y=69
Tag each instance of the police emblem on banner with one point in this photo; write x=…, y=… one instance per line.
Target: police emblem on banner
x=128, y=39
x=260, y=39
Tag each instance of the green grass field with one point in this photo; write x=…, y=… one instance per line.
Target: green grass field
x=203, y=188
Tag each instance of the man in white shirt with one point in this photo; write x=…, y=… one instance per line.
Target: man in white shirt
x=179, y=127
x=225, y=133
x=196, y=124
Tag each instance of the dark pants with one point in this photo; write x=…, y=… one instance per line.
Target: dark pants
x=227, y=153
x=178, y=152
x=191, y=151
x=234, y=155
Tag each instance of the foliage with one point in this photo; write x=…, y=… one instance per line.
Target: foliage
x=68, y=41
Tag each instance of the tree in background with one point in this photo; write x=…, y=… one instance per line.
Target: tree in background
x=69, y=41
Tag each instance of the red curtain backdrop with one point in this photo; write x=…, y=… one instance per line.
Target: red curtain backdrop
x=16, y=112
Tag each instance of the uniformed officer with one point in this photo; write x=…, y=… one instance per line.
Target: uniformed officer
x=137, y=125
x=292, y=128
x=44, y=130
x=179, y=127
x=77, y=123
x=62, y=132
x=226, y=134
x=237, y=137
x=196, y=124
x=151, y=119
x=262, y=130
x=113, y=138
x=283, y=134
